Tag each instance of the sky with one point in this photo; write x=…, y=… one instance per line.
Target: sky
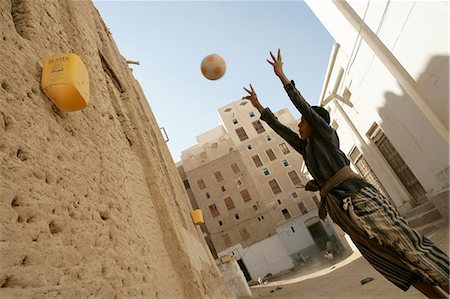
x=170, y=39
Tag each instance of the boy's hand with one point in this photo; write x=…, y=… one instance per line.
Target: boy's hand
x=253, y=98
x=277, y=63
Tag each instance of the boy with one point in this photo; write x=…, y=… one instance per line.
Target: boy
x=384, y=238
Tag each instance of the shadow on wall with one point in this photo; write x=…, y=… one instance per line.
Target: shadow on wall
x=400, y=109
x=407, y=136
x=433, y=84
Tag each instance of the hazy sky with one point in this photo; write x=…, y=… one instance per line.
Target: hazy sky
x=170, y=39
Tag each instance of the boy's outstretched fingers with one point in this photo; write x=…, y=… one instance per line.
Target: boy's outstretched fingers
x=273, y=58
x=277, y=64
x=253, y=98
x=278, y=59
x=250, y=92
x=247, y=97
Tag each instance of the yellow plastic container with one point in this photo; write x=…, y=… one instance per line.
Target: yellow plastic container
x=197, y=217
x=65, y=81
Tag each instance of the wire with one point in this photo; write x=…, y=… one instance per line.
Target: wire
x=357, y=44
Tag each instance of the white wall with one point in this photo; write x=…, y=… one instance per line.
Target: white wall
x=416, y=33
x=266, y=256
x=234, y=277
x=300, y=238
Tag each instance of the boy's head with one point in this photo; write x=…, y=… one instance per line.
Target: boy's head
x=322, y=113
x=305, y=128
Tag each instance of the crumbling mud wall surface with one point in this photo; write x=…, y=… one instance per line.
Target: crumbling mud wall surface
x=91, y=204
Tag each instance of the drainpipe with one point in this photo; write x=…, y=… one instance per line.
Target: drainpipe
x=333, y=55
x=392, y=64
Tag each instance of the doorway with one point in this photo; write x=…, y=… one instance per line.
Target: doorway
x=244, y=270
x=319, y=235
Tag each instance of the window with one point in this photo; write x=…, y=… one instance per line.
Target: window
x=243, y=103
x=268, y=138
x=294, y=177
x=249, y=146
x=220, y=222
x=285, y=163
x=292, y=228
x=286, y=214
x=228, y=110
x=302, y=208
x=347, y=94
x=294, y=194
x=262, y=217
x=229, y=203
x=334, y=125
x=201, y=184
x=244, y=234
x=235, y=168
x=239, y=183
x=398, y=165
x=257, y=161
x=251, y=113
x=284, y=148
x=235, y=121
x=259, y=218
x=222, y=188
x=316, y=200
x=255, y=208
x=186, y=184
x=366, y=171
x=241, y=134
x=226, y=240
x=236, y=216
x=274, y=186
x=218, y=176
x=266, y=171
x=214, y=211
x=207, y=195
x=245, y=195
x=271, y=154
x=258, y=126
x=279, y=201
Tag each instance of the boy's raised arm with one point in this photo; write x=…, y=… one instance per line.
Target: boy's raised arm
x=318, y=123
x=266, y=115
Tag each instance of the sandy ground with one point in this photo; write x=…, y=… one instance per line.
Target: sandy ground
x=343, y=280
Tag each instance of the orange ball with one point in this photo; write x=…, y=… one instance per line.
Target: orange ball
x=213, y=67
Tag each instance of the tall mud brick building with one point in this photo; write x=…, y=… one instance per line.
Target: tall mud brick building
x=91, y=204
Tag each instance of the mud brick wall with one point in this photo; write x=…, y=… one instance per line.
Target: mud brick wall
x=91, y=204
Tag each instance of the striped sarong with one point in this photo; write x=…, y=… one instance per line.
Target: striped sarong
x=400, y=253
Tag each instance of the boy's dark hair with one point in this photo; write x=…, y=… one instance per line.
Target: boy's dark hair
x=322, y=113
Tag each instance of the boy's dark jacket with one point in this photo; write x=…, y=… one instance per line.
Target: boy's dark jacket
x=321, y=152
